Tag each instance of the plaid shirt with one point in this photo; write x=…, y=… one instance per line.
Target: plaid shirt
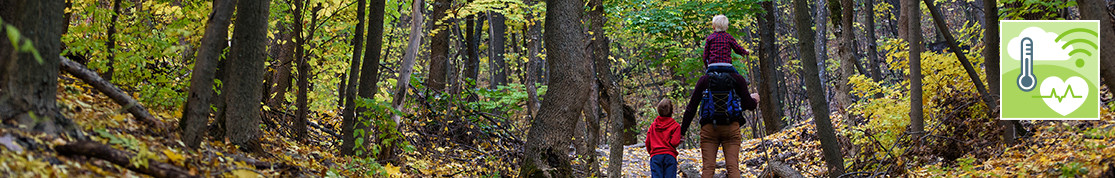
x=719, y=47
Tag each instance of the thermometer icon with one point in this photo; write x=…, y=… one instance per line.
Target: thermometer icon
x=1026, y=80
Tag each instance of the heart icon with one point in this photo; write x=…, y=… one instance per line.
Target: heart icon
x=1064, y=96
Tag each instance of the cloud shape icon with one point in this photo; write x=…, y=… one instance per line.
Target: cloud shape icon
x=1046, y=48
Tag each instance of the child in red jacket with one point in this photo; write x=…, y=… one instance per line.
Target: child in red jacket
x=662, y=141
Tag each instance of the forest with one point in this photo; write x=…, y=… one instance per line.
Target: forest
x=535, y=88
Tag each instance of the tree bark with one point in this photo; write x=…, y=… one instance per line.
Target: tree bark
x=771, y=105
x=29, y=84
x=472, y=64
x=546, y=148
x=369, y=74
x=498, y=65
x=602, y=88
x=304, y=77
x=439, y=46
x=991, y=64
x=778, y=169
x=1097, y=10
x=119, y=96
x=875, y=64
x=534, y=47
x=246, y=70
x=348, y=114
x=829, y=146
x=904, y=18
x=403, y=80
x=111, y=43
x=281, y=77
x=847, y=67
x=154, y=168
x=917, y=126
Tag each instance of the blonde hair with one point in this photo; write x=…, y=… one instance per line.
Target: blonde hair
x=719, y=23
x=665, y=107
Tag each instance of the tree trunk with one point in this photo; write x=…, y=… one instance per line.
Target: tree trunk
x=991, y=64
x=951, y=41
x=534, y=47
x=602, y=88
x=281, y=77
x=546, y=148
x=246, y=70
x=904, y=18
x=369, y=74
x=771, y=105
x=304, y=68
x=111, y=44
x=348, y=114
x=439, y=46
x=829, y=146
x=28, y=83
x=1096, y=10
x=403, y=80
x=847, y=68
x=914, y=38
x=499, y=65
x=472, y=65
x=872, y=50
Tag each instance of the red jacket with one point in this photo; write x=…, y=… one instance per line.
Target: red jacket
x=663, y=137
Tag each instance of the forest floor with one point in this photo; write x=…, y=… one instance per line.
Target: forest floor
x=1055, y=148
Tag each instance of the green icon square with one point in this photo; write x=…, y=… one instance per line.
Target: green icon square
x=1049, y=69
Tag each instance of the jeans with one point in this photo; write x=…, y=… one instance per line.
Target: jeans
x=663, y=165
x=714, y=137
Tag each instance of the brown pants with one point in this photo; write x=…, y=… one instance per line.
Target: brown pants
x=714, y=137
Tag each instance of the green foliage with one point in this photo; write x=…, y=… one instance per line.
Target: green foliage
x=1041, y=10
x=25, y=45
x=377, y=114
x=1073, y=169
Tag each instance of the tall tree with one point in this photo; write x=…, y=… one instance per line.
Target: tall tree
x=472, y=63
x=304, y=68
x=847, y=68
x=604, y=92
x=991, y=62
x=1096, y=10
x=111, y=43
x=369, y=73
x=29, y=81
x=403, y=80
x=771, y=105
x=213, y=43
x=872, y=51
x=246, y=71
x=439, y=46
x=498, y=65
x=534, y=47
x=546, y=152
x=829, y=147
x=914, y=39
x=283, y=49
x=348, y=114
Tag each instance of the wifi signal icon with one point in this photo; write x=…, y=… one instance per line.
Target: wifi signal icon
x=1079, y=39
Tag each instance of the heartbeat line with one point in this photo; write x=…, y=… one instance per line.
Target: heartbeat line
x=1053, y=94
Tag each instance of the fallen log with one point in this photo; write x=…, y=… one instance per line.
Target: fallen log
x=118, y=157
x=110, y=90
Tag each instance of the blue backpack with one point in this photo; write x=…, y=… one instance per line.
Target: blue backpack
x=719, y=104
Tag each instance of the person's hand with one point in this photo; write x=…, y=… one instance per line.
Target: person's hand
x=755, y=96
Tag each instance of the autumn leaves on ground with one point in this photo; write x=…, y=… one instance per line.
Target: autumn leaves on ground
x=518, y=88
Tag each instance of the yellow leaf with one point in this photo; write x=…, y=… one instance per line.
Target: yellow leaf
x=392, y=170
x=242, y=173
x=174, y=157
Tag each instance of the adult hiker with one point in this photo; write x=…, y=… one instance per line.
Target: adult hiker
x=721, y=95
